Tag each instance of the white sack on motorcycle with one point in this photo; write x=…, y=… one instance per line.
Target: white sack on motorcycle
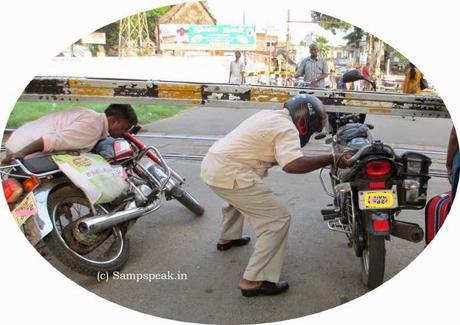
x=100, y=182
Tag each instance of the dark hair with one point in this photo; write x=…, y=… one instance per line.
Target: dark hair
x=412, y=71
x=123, y=111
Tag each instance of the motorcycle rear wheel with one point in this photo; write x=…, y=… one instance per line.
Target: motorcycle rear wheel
x=107, y=251
x=373, y=261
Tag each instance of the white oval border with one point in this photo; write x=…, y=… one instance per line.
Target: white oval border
x=34, y=31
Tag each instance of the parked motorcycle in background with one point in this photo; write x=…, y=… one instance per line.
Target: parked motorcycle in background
x=57, y=216
x=369, y=197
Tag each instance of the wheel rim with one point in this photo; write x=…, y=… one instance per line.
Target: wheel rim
x=67, y=211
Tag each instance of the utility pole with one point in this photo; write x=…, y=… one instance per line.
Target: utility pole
x=244, y=53
x=288, y=34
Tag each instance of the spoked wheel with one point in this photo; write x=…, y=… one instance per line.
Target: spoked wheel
x=105, y=251
x=373, y=261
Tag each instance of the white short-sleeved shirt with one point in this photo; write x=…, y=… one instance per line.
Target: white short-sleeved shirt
x=236, y=68
x=244, y=155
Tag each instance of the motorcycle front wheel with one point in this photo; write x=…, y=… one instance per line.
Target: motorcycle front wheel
x=106, y=251
x=188, y=201
x=373, y=261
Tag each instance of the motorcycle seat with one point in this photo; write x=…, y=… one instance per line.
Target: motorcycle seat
x=39, y=165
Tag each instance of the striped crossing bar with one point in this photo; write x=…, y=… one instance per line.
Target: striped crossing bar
x=136, y=91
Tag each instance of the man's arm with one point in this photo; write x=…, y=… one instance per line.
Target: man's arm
x=305, y=165
x=230, y=73
x=452, y=148
x=323, y=75
x=301, y=70
x=319, y=78
x=36, y=146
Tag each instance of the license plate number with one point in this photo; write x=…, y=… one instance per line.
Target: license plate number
x=378, y=199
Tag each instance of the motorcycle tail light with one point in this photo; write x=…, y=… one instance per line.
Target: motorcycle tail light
x=30, y=184
x=12, y=190
x=378, y=168
x=377, y=185
x=381, y=225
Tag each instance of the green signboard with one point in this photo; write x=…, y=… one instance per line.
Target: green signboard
x=207, y=37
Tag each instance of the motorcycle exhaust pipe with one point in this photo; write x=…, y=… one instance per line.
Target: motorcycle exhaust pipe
x=408, y=231
x=97, y=224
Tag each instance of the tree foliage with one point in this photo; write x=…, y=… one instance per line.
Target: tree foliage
x=111, y=30
x=330, y=23
x=323, y=47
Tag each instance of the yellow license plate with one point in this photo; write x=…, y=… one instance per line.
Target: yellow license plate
x=378, y=199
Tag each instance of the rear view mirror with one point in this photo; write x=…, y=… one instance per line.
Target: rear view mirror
x=320, y=136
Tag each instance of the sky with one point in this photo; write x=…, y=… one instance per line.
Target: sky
x=272, y=16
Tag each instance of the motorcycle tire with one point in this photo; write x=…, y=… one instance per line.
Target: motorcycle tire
x=188, y=201
x=373, y=261
x=60, y=247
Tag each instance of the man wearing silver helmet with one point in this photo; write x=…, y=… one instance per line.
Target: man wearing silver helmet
x=234, y=168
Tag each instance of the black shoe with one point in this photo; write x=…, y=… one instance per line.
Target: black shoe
x=267, y=289
x=236, y=242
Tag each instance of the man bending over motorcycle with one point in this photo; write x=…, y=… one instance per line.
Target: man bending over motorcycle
x=234, y=167
x=77, y=129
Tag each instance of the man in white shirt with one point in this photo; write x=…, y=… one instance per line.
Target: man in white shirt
x=236, y=75
x=234, y=168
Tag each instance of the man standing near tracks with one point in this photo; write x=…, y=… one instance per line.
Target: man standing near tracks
x=234, y=167
x=313, y=69
x=236, y=75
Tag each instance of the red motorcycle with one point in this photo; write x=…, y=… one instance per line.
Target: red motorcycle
x=58, y=217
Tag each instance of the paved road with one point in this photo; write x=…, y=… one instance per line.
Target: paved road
x=322, y=271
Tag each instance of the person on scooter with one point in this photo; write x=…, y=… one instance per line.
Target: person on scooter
x=77, y=129
x=234, y=168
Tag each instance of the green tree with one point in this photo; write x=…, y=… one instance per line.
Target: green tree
x=323, y=46
x=375, y=46
x=330, y=23
x=111, y=31
x=152, y=18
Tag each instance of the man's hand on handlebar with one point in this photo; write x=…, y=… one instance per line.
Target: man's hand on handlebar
x=343, y=160
x=11, y=156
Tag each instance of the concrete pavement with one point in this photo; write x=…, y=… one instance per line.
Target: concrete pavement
x=322, y=271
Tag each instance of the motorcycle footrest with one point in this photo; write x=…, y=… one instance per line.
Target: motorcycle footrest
x=337, y=225
x=329, y=214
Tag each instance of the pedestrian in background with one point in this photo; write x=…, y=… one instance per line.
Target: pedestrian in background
x=313, y=69
x=236, y=75
x=413, y=76
x=366, y=71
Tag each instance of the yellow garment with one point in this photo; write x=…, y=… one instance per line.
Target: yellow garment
x=412, y=86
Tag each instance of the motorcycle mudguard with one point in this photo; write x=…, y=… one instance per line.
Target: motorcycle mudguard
x=42, y=217
x=379, y=216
